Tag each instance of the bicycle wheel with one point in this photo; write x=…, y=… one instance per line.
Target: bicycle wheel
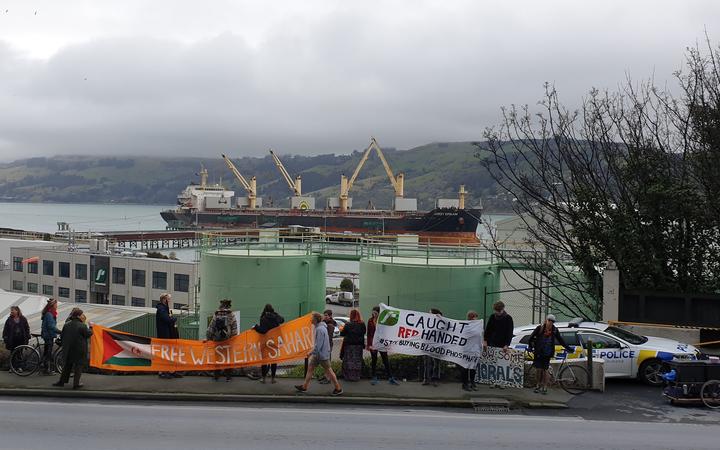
x=59, y=360
x=574, y=379
x=24, y=360
x=710, y=394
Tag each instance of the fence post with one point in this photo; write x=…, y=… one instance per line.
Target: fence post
x=590, y=364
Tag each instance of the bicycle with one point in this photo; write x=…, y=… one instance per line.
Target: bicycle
x=26, y=359
x=573, y=379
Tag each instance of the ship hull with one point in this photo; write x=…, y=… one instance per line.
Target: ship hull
x=439, y=226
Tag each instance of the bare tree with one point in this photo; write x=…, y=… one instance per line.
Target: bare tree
x=628, y=177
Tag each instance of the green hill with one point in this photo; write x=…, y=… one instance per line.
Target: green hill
x=431, y=171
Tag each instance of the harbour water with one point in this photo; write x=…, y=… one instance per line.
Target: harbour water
x=83, y=217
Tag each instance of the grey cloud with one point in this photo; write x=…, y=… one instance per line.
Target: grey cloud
x=315, y=86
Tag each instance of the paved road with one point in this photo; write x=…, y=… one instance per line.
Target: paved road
x=632, y=400
x=28, y=424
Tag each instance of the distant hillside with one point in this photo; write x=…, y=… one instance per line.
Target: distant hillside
x=431, y=171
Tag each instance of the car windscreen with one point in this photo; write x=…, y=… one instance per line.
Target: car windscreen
x=627, y=336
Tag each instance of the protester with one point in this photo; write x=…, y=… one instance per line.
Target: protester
x=468, y=375
x=499, y=330
x=222, y=327
x=371, y=327
x=542, y=344
x=269, y=319
x=331, y=325
x=351, y=352
x=431, y=374
x=320, y=357
x=16, y=331
x=48, y=331
x=166, y=326
x=75, y=348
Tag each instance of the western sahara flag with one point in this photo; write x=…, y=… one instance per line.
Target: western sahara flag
x=126, y=349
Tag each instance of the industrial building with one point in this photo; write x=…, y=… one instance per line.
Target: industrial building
x=100, y=276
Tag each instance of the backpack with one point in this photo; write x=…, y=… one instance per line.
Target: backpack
x=221, y=328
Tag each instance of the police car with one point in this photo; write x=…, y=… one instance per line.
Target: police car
x=626, y=354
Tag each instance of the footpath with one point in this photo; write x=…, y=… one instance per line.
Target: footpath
x=243, y=389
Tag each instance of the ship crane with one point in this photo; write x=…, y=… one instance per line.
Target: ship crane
x=345, y=184
x=295, y=185
x=250, y=187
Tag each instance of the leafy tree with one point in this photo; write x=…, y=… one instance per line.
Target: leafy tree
x=346, y=285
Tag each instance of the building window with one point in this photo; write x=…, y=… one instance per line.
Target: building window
x=32, y=287
x=33, y=267
x=48, y=290
x=81, y=271
x=159, y=280
x=138, y=278
x=118, y=300
x=17, y=285
x=118, y=275
x=155, y=303
x=64, y=269
x=64, y=292
x=137, y=301
x=80, y=296
x=182, y=282
x=17, y=263
x=48, y=267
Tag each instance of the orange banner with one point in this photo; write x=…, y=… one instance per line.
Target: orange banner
x=117, y=350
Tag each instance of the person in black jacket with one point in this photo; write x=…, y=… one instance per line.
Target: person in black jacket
x=468, y=375
x=498, y=330
x=16, y=331
x=166, y=328
x=269, y=319
x=542, y=344
x=353, y=345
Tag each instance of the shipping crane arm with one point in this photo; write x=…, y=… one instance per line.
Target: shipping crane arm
x=294, y=185
x=397, y=182
x=250, y=187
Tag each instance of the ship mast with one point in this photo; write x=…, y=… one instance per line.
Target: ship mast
x=250, y=187
x=345, y=184
x=295, y=185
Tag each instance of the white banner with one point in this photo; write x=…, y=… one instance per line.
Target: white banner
x=506, y=368
x=418, y=333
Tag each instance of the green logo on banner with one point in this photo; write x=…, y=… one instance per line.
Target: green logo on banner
x=389, y=317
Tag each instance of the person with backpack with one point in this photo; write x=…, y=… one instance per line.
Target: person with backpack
x=222, y=327
x=542, y=344
x=269, y=319
x=331, y=326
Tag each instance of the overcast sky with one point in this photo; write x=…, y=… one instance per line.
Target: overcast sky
x=177, y=77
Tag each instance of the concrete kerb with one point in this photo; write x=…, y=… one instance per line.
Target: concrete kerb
x=250, y=398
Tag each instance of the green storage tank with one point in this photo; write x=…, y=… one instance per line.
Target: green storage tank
x=293, y=281
x=454, y=286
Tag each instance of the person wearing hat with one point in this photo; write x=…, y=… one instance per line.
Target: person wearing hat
x=222, y=327
x=542, y=343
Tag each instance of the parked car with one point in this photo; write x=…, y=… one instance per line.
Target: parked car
x=341, y=298
x=626, y=354
x=341, y=321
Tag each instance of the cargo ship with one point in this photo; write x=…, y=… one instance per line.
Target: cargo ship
x=208, y=206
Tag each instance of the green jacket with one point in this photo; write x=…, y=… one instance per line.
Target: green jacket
x=75, y=335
